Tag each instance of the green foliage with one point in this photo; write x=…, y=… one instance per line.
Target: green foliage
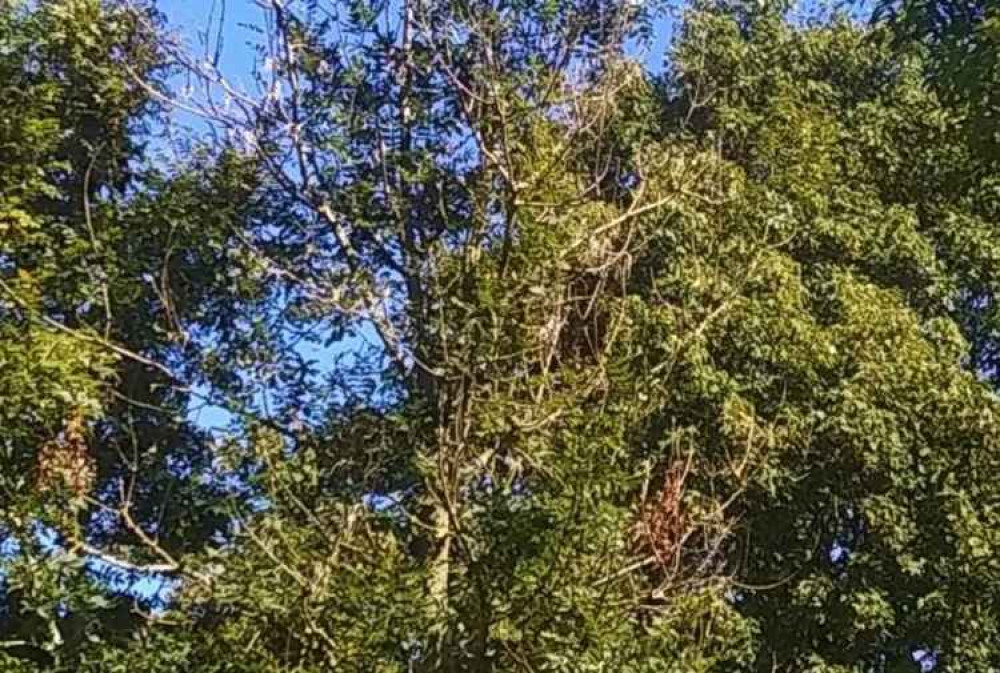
x=694, y=374
x=94, y=446
x=963, y=41
x=851, y=346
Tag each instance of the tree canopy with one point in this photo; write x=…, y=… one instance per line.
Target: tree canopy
x=456, y=338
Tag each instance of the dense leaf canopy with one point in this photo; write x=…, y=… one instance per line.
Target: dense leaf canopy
x=460, y=341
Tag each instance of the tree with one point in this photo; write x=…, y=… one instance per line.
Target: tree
x=103, y=259
x=460, y=182
x=692, y=373
x=868, y=536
